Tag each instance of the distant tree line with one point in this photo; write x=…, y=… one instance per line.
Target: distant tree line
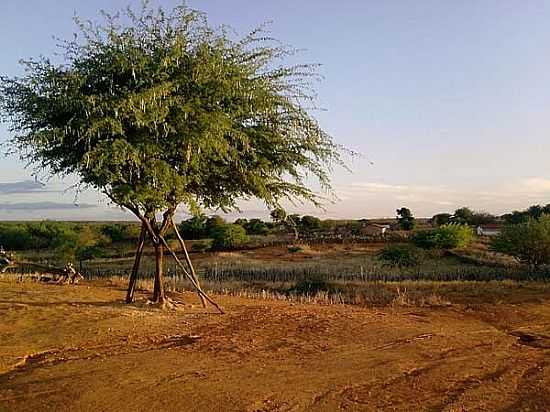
x=465, y=215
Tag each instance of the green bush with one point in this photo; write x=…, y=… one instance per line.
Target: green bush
x=118, y=232
x=15, y=237
x=194, y=227
x=400, y=255
x=228, y=236
x=449, y=236
x=528, y=242
x=255, y=227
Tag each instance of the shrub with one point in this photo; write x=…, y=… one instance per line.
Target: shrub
x=194, y=228
x=449, y=236
x=228, y=236
x=15, y=237
x=118, y=232
x=400, y=255
x=405, y=219
x=255, y=227
x=310, y=223
x=528, y=242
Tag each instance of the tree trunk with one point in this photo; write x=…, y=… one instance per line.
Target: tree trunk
x=158, y=292
x=135, y=269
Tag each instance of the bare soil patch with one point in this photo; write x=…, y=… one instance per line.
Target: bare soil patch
x=70, y=348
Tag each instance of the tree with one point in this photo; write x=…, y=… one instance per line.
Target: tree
x=118, y=232
x=534, y=211
x=310, y=223
x=213, y=223
x=290, y=222
x=241, y=222
x=441, y=219
x=463, y=216
x=405, y=219
x=528, y=242
x=400, y=255
x=482, y=218
x=256, y=227
x=194, y=227
x=228, y=236
x=278, y=215
x=450, y=236
x=158, y=109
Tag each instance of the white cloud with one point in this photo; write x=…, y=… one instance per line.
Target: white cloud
x=536, y=185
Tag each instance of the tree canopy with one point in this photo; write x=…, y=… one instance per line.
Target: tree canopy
x=159, y=109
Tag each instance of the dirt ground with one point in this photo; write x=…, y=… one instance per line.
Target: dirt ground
x=78, y=348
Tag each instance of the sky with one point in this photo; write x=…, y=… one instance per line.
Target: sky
x=448, y=102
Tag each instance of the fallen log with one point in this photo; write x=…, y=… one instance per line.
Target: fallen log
x=66, y=275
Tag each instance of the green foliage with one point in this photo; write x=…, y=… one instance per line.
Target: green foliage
x=463, y=216
x=194, y=227
x=47, y=235
x=466, y=216
x=310, y=223
x=15, y=237
x=213, y=223
x=278, y=215
x=256, y=227
x=450, y=236
x=529, y=241
x=441, y=219
x=118, y=232
x=241, y=221
x=228, y=236
x=535, y=212
x=405, y=219
x=156, y=108
x=400, y=255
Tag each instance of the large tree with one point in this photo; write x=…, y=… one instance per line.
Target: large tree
x=158, y=109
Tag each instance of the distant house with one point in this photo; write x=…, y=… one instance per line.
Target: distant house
x=489, y=230
x=374, y=229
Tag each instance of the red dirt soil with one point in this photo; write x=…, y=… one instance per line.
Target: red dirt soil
x=81, y=349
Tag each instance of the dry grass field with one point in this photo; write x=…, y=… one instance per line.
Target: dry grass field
x=79, y=348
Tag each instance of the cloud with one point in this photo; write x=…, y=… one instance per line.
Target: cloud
x=536, y=185
x=24, y=186
x=43, y=206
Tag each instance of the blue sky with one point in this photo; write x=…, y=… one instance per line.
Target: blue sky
x=449, y=100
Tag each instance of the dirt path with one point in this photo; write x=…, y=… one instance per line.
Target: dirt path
x=79, y=349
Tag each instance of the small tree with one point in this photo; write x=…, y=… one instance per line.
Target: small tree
x=194, y=227
x=405, y=219
x=290, y=222
x=228, y=236
x=450, y=236
x=159, y=109
x=213, y=223
x=256, y=227
x=310, y=223
x=441, y=219
x=528, y=242
x=400, y=255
